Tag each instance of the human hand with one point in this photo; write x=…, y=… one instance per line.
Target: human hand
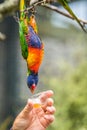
x=36, y=118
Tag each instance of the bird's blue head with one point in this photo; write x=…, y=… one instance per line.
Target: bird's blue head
x=32, y=81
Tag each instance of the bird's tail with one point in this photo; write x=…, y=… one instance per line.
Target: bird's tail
x=22, y=7
x=22, y=4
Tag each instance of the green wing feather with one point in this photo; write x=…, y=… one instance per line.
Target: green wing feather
x=23, y=28
x=24, y=46
x=66, y=6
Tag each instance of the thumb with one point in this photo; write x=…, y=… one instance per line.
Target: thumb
x=20, y=122
x=27, y=109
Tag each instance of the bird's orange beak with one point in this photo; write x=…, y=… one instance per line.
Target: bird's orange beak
x=32, y=88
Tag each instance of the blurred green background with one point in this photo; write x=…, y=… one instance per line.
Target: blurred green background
x=64, y=68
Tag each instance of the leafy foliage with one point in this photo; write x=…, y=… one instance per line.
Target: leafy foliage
x=70, y=96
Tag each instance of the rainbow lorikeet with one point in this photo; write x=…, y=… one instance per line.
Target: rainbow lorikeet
x=32, y=47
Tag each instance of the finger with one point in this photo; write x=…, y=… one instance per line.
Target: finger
x=47, y=94
x=49, y=119
x=49, y=102
x=21, y=118
x=50, y=110
x=27, y=108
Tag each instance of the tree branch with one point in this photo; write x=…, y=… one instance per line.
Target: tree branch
x=9, y=7
x=56, y=9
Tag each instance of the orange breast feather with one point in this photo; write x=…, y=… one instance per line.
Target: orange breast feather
x=34, y=58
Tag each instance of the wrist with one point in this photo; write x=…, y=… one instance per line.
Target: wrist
x=36, y=128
